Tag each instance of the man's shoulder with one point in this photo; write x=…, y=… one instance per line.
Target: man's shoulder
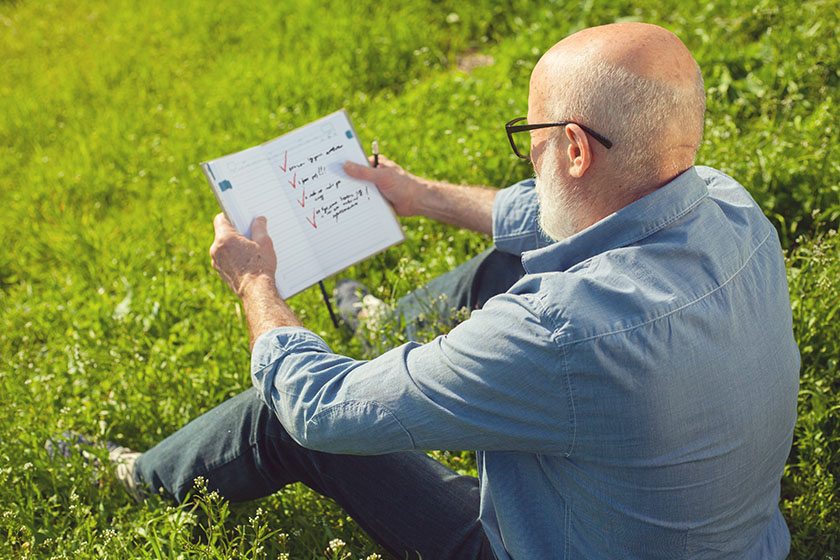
x=708, y=173
x=724, y=187
x=737, y=217
x=673, y=267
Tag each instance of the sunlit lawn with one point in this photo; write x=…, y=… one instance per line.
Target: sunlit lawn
x=112, y=322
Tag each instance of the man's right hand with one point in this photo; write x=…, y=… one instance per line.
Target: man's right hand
x=457, y=205
x=402, y=189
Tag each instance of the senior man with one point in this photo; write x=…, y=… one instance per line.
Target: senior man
x=632, y=395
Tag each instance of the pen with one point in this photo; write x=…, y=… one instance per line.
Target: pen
x=375, y=149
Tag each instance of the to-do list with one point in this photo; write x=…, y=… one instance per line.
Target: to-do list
x=320, y=219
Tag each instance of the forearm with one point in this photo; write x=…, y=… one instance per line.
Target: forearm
x=458, y=205
x=463, y=206
x=265, y=309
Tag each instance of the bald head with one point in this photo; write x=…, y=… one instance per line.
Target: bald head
x=635, y=83
x=642, y=49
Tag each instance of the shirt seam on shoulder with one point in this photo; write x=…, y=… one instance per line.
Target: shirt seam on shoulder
x=571, y=399
x=568, y=538
x=673, y=311
x=542, y=311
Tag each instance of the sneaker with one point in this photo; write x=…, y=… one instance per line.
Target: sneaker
x=374, y=312
x=123, y=459
x=348, y=296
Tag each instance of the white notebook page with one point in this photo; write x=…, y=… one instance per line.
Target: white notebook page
x=320, y=219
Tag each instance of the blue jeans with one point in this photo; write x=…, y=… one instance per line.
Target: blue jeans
x=407, y=502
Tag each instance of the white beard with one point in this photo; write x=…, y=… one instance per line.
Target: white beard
x=558, y=211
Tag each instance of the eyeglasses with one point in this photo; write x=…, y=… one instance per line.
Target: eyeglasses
x=524, y=140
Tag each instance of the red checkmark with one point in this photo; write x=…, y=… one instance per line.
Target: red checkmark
x=293, y=182
x=285, y=162
x=302, y=200
x=312, y=221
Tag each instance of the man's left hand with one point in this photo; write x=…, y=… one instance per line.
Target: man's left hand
x=239, y=260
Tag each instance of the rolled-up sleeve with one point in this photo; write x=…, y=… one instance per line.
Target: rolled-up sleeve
x=515, y=219
x=457, y=392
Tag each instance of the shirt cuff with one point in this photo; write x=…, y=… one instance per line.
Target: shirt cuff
x=275, y=345
x=309, y=390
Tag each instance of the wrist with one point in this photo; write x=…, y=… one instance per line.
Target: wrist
x=263, y=306
x=257, y=286
x=425, y=197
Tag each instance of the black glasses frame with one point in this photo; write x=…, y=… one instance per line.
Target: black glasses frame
x=511, y=128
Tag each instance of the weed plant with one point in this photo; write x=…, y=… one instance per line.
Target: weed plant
x=112, y=322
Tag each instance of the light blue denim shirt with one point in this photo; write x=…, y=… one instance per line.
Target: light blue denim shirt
x=633, y=396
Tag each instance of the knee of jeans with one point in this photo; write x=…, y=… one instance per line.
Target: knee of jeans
x=264, y=422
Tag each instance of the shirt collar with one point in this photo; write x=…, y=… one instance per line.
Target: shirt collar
x=630, y=224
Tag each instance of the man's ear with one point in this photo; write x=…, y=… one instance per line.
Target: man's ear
x=579, y=151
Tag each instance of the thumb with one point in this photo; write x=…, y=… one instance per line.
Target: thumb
x=359, y=171
x=259, y=230
x=221, y=224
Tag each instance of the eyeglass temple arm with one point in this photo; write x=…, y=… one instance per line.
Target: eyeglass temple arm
x=523, y=127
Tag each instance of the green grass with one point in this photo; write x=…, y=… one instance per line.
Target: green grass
x=113, y=323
